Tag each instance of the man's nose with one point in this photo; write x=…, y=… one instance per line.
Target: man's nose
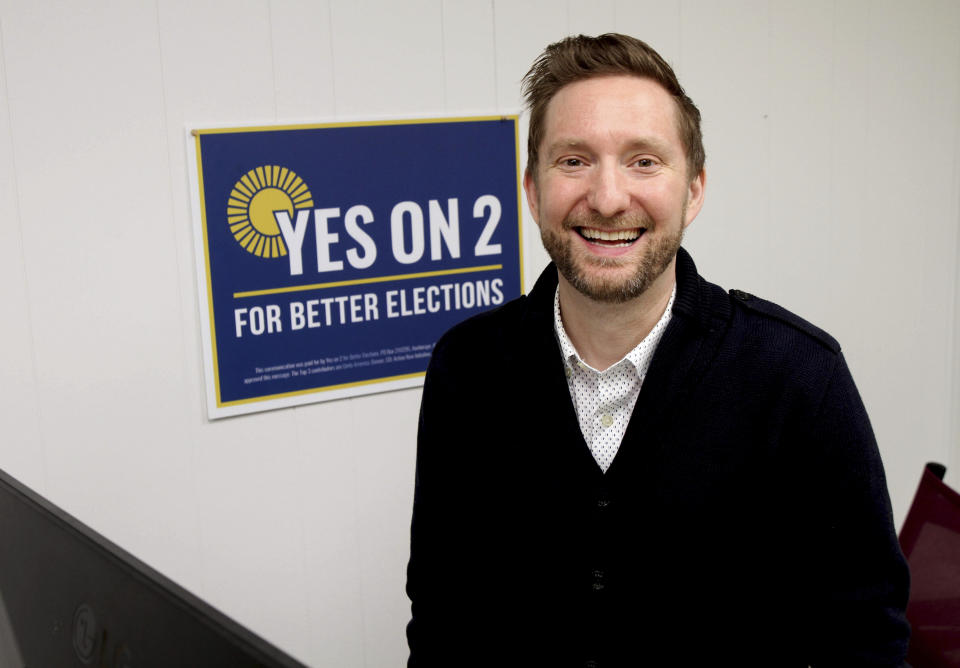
x=608, y=194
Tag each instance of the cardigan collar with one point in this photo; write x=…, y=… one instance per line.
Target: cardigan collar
x=701, y=312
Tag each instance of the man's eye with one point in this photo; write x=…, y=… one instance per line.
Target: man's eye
x=571, y=162
x=645, y=163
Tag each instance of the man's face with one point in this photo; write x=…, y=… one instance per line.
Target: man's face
x=612, y=195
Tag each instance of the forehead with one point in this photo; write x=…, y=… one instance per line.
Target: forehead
x=611, y=107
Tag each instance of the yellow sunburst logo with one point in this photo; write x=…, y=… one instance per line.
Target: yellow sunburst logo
x=253, y=201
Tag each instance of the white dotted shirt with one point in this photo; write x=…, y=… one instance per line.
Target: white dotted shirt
x=604, y=400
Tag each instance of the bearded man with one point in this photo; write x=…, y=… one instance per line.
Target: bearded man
x=630, y=466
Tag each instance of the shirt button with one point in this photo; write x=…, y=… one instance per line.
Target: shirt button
x=606, y=419
x=567, y=370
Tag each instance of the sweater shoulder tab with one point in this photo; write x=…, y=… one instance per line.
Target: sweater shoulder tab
x=773, y=311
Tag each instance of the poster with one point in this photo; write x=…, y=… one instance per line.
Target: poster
x=331, y=258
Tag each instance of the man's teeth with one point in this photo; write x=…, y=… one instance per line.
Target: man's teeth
x=610, y=235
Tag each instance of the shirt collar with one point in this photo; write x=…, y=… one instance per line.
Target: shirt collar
x=641, y=355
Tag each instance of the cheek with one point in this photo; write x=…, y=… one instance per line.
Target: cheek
x=663, y=202
x=557, y=199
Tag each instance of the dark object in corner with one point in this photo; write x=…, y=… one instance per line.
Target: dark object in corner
x=930, y=539
x=70, y=597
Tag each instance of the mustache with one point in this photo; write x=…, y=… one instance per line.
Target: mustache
x=625, y=221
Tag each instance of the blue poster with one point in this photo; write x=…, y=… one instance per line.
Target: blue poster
x=332, y=257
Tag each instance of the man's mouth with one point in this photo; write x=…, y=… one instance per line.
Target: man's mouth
x=611, y=238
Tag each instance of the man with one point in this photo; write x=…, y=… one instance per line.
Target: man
x=629, y=466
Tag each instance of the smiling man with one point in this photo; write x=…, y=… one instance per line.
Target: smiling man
x=630, y=466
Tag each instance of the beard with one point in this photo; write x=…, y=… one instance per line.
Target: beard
x=659, y=254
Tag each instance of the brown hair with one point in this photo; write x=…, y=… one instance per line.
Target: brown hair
x=581, y=57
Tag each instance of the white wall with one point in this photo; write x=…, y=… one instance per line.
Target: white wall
x=833, y=144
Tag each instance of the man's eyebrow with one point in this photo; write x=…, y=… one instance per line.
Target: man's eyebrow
x=562, y=145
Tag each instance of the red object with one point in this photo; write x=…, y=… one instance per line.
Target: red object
x=930, y=539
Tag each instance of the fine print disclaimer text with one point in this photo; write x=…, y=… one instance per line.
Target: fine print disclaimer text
x=322, y=365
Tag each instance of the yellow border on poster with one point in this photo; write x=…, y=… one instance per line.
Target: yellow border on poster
x=198, y=133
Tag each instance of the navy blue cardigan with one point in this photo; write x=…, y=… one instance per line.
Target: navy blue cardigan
x=744, y=520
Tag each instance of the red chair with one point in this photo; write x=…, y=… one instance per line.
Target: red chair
x=930, y=539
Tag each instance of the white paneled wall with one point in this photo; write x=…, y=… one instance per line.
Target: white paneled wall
x=833, y=142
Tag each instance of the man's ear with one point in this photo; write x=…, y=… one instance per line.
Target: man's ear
x=695, y=196
x=530, y=187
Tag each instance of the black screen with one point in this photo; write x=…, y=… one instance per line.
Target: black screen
x=70, y=597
